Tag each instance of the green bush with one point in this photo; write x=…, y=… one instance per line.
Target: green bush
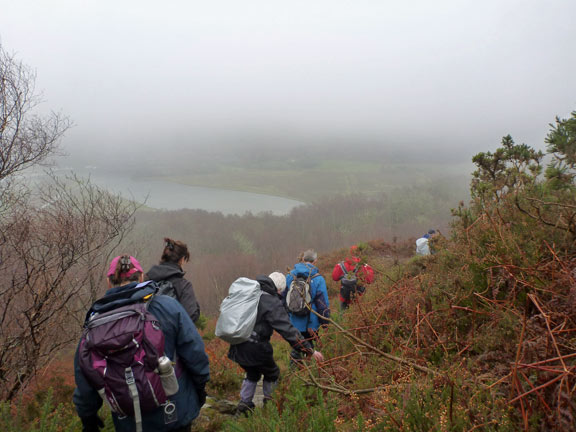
x=303, y=409
x=40, y=415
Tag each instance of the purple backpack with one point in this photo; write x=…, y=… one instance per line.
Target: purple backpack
x=119, y=353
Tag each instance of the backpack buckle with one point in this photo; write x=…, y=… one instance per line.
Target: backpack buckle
x=129, y=375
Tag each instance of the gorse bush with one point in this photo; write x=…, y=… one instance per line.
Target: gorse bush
x=40, y=415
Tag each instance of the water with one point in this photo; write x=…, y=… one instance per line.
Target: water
x=173, y=196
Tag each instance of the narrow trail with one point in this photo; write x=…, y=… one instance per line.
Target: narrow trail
x=259, y=395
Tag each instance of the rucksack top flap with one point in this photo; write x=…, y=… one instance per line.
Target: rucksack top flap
x=123, y=297
x=243, y=286
x=98, y=319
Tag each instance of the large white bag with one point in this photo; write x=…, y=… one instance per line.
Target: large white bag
x=238, y=311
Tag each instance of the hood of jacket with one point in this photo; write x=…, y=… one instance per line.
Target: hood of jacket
x=165, y=271
x=267, y=285
x=305, y=269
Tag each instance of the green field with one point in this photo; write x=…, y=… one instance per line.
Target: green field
x=327, y=178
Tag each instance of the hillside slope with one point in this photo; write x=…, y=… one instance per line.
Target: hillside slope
x=478, y=336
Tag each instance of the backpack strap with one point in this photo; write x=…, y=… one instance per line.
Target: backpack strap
x=344, y=271
x=131, y=382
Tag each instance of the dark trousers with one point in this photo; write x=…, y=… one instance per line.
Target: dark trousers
x=187, y=428
x=269, y=369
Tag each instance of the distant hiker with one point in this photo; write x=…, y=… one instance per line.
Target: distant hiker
x=306, y=290
x=126, y=356
x=353, y=276
x=255, y=355
x=170, y=276
x=422, y=244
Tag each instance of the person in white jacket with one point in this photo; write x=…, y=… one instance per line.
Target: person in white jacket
x=422, y=246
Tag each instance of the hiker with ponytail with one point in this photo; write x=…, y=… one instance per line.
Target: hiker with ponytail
x=124, y=269
x=169, y=270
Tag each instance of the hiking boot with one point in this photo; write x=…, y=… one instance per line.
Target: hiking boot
x=245, y=408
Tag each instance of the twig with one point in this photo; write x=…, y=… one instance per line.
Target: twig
x=519, y=349
x=382, y=353
x=552, y=381
x=537, y=393
x=468, y=309
x=561, y=358
x=435, y=334
x=483, y=424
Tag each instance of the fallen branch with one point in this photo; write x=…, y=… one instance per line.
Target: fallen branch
x=373, y=348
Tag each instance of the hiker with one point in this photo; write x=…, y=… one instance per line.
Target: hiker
x=169, y=269
x=306, y=273
x=353, y=276
x=171, y=331
x=256, y=356
x=422, y=244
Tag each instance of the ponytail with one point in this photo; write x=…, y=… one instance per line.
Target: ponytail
x=124, y=268
x=174, y=251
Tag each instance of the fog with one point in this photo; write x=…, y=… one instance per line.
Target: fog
x=157, y=78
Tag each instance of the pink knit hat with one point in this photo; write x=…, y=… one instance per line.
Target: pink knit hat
x=114, y=263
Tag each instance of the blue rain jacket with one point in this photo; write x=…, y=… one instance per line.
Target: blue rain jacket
x=318, y=292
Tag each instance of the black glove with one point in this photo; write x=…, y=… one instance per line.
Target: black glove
x=92, y=423
x=201, y=396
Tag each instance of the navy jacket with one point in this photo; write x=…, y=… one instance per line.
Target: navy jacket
x=182, y=342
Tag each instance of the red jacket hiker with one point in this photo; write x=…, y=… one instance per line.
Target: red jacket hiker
x=365, y=273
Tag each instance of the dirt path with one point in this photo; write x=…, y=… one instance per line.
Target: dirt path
x=259, y=395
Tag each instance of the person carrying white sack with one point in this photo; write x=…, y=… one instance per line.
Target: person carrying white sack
x=422, y=244
x=256, y=356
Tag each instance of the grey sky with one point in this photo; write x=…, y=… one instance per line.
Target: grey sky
x=445, y=73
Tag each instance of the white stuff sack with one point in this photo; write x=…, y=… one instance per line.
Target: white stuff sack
x=238, y=311
x=422, y=247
